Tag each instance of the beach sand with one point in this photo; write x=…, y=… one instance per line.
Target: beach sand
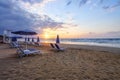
x=77, y=62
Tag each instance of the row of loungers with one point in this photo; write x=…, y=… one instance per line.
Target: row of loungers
x=33, y=43
x=25, y=52
x=15, y=44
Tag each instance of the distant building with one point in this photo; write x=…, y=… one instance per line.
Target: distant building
x=6, y=36
x=1, y=38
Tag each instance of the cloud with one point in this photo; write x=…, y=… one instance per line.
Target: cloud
x=33, y=1
x=112, y=7
x=41, y=3
x=83, y=2
x=69, y=2
x=112, y=34
x=13, y=17
x=34, y=6
x=46, y=22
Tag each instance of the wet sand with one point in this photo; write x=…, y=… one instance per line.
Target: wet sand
x=77, y=62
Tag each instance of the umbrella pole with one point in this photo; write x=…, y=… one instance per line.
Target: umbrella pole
x=26, y=43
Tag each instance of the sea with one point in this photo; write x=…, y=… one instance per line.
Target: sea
x=107, y=42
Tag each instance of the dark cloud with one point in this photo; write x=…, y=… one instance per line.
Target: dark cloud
x=12, y=17
x=33, y=1
x=15, y=18
x=4, y=4
x=82, y=2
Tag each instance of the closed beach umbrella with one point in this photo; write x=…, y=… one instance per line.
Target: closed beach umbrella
x=57, y=39
x=14, y=39
x=32, y=39
x=25, y=39
x=28, y=39
x=38, y=39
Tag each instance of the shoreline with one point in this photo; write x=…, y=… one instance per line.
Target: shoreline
x=93, y=47
x=80, y=46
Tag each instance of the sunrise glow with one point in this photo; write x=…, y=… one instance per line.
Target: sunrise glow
x=48, y=18
x=47, y=36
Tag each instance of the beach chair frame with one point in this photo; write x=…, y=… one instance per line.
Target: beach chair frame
x=15, y=45
x=59, y=48
x=56, y=47
x=52, y=45
x=21, y=52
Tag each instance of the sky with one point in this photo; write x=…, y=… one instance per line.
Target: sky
x=68, y=18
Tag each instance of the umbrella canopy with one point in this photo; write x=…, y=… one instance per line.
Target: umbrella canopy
x=25, y=32
x=57, y=39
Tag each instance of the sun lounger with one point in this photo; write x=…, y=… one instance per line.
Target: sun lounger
x=52, y=45
x=56, y=47
x=37, y=44
x=15, y=45
x=59, y=48
x=26, y=52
